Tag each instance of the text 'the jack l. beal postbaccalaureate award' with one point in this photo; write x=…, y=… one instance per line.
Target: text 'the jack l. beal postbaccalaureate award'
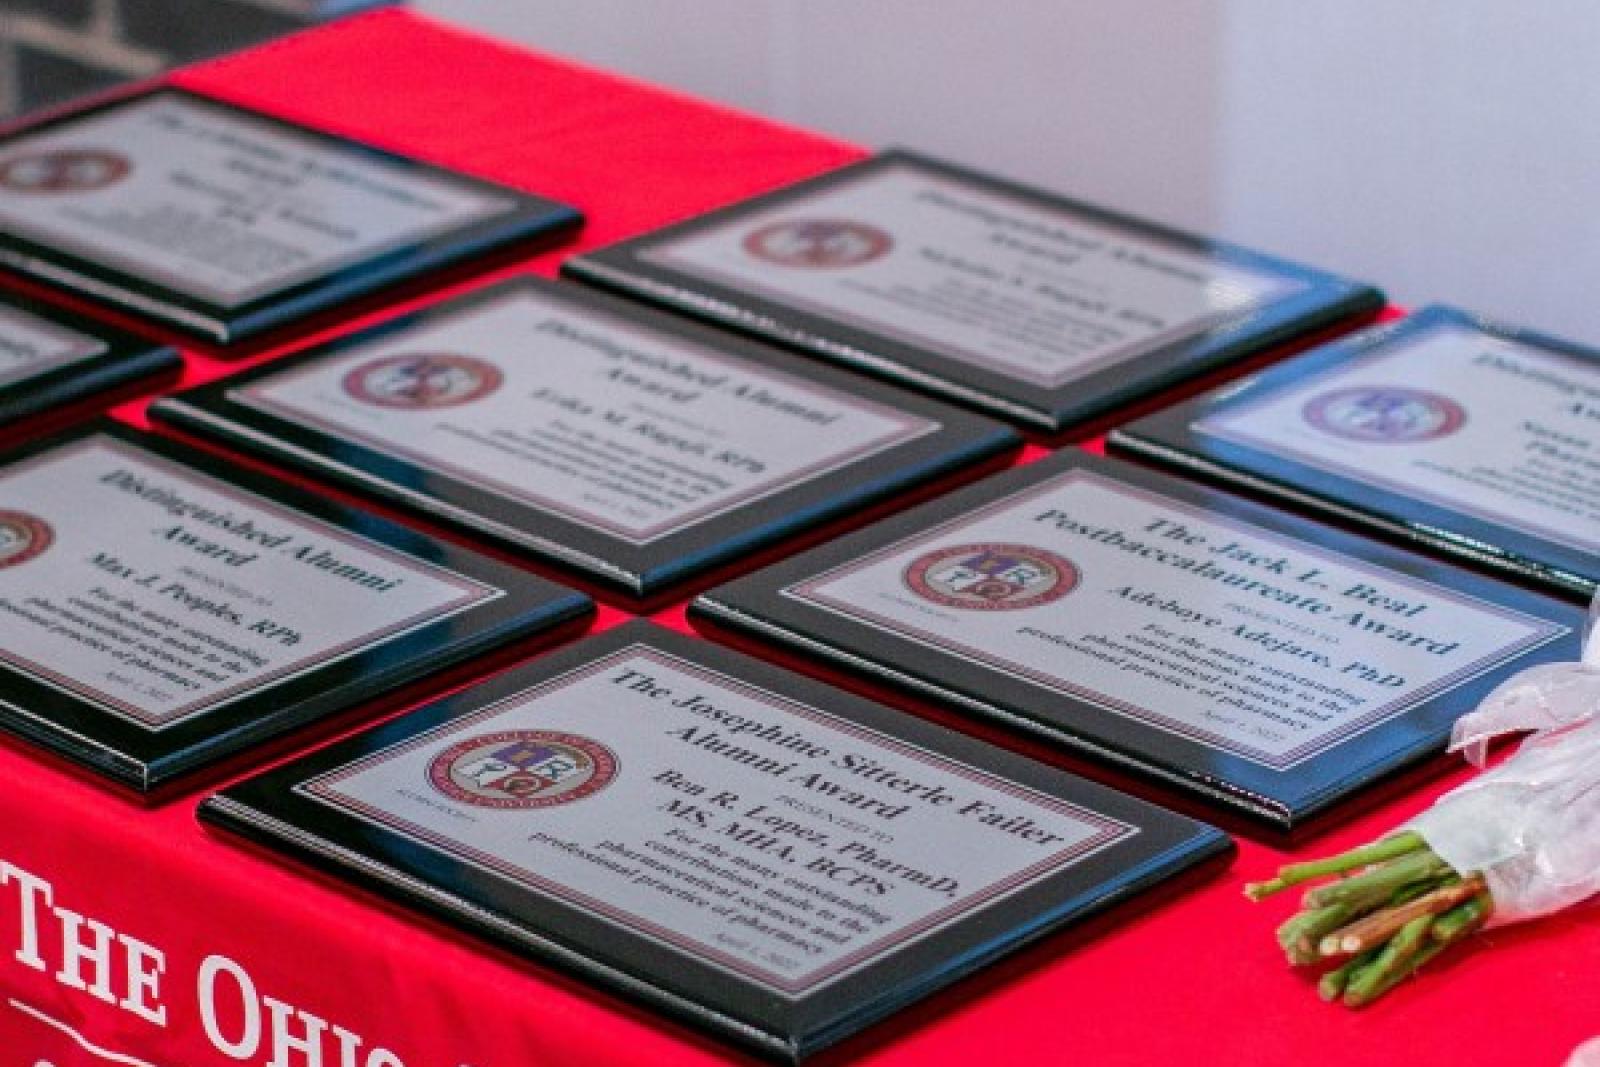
x=1256, y=659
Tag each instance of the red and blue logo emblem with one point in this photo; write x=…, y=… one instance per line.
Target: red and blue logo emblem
x=998, y=577
x=818, y=244
x=22, y=537
x=63, y=170
x=1385, y=414
x=522, y=769
x=423, y=381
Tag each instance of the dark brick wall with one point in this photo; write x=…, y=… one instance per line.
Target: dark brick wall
x=52, y=51
x=67, y=12
x=47, y=75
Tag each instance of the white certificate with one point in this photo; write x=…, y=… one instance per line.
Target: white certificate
x=219, y=204
x=1503, y=431
x=761, y=834
x=632, y=432
x=1212, y=629
x=31, y=346
x=992, y=280
x=157, y=594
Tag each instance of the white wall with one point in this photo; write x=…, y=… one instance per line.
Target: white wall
x=1445, y=149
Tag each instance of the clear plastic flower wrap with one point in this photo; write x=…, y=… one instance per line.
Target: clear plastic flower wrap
x=1530, y=826
x=1517, y=842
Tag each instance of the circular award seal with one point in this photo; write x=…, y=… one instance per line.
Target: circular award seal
x=423, y=380
x=63, y=170
x=991, y=577
x=818, y=244
x=1385, y=414
x=22, y=537
x=520, y=769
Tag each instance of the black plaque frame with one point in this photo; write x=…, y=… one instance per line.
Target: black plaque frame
x=1283, y=801
x=150, y=761
x=642, y=571
x=1171, y=439
x=127, y=362
x=532, y=218
x=267, y=809
x=1326, y=301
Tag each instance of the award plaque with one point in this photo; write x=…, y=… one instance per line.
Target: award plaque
x=163, y=611
x=626, y=444
x=750, y=851
x=224, y=222
x=51, y=360
x=1038, y=309
x=1259, y=660
x=1477, y=439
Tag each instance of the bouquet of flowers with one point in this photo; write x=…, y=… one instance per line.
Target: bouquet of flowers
x=1517, y=842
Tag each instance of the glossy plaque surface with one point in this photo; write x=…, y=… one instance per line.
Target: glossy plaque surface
x=51, y=359
x=635, y=448
x=765, y=856
x=1259, y=660
x=1479, y=439
x=224, y=222
x=163, y=611
x=1042, y=310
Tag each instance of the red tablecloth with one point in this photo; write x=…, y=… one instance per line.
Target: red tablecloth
x=1190, y=977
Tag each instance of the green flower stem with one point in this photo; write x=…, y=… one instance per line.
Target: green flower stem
x=1374, y=929
x=1333, y=984
x=1300, y=936
x=1460, y=921
x=1377, y=885
x=1380, y=851
x=1401, y=956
